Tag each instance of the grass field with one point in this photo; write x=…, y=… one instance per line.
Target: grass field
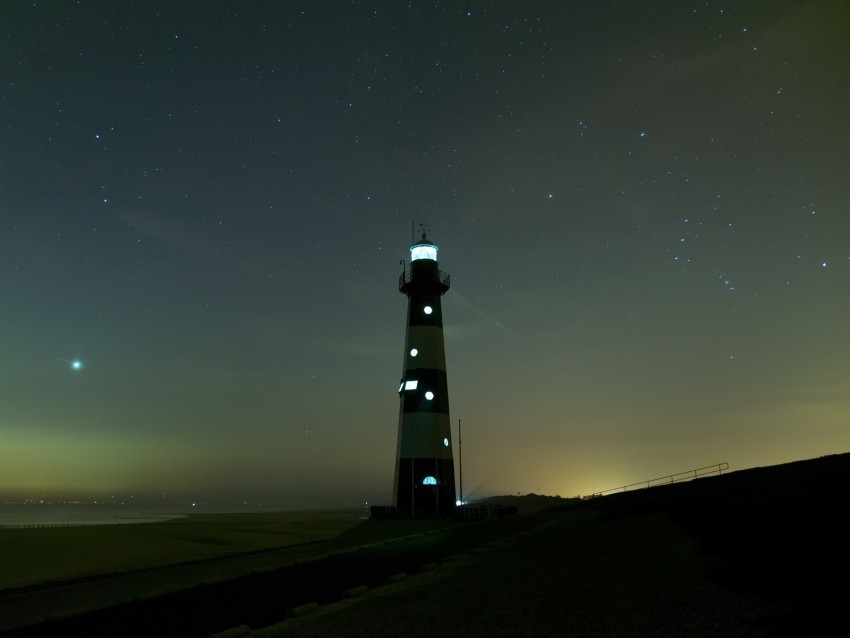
x=35, y=556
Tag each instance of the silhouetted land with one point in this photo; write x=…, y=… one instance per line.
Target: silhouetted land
x=758, y=552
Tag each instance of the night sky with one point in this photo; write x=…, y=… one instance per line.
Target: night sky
x=644, y=208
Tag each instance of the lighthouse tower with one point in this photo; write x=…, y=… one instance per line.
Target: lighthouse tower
x=424, y=468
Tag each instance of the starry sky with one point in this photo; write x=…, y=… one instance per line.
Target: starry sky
x=644, y=208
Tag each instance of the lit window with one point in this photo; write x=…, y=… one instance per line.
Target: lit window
x=414, y=352
x=446, y=442
x=429, y=480
x=411, y=385
x=401, y=386
x=428, y=310
x=429, y=395
x=426, y=251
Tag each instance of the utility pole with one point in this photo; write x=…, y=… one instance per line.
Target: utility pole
x=460, y=459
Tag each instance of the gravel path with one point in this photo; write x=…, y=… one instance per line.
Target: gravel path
x=580, y=575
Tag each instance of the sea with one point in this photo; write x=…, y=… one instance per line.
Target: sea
x=14, y=515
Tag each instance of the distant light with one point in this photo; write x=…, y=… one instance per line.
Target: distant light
x=825, y=264
x=428, y=310
x=429, y=480
x=458, y=503
x=429, y=395
x=446, y=442
x=76, y=364
x=413, y=352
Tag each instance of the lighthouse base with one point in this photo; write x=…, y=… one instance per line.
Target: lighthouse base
x=425, y=488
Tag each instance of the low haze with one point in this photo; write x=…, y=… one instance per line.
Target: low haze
x=644, y=209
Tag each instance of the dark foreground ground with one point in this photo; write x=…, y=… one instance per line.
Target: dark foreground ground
x=760, y=552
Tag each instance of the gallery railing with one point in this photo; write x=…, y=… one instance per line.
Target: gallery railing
x=444, y=281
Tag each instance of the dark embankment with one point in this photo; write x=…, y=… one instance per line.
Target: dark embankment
x=780, y=532
x=754, y=553
x=758, y=552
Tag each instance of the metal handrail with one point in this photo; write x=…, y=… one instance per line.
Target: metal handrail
x=687, y=475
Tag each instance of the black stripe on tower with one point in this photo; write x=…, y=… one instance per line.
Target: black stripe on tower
x=419, y=316
x=427, y=380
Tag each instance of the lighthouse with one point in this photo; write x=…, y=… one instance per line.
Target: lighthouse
x=424, y=468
